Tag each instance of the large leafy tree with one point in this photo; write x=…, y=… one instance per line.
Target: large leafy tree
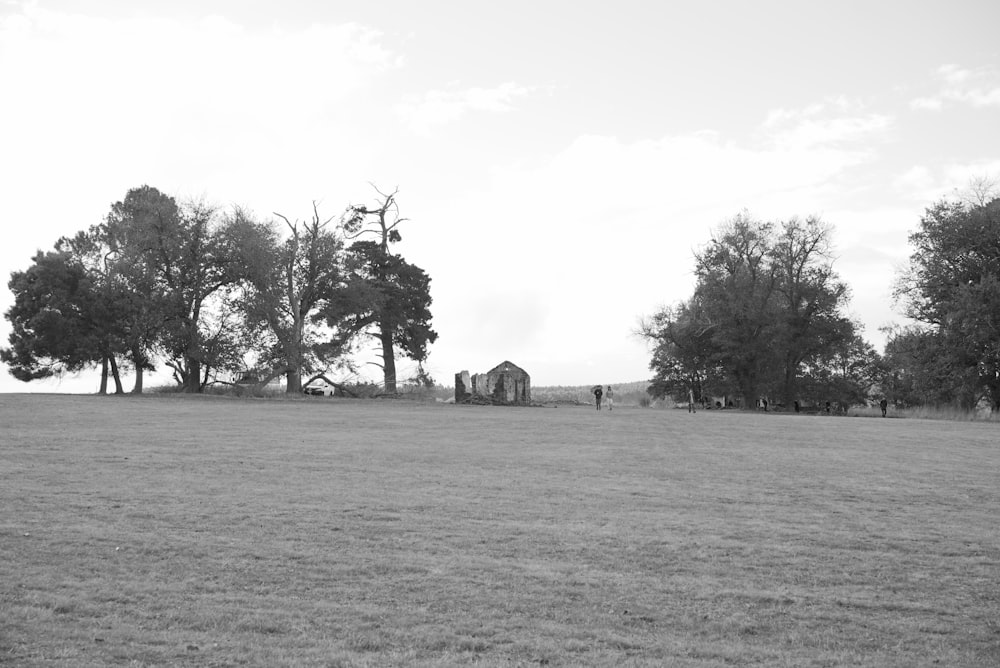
x=132, y=308
x=767, y=307
x=684, y=362
x=385, y=297
x=952, y=287
x=845, y=373
x=920, y=369
x=286, y=282
x=736, y=285
x=161, y=281
x=180, y=259
x=810, y=300
x=62, y=321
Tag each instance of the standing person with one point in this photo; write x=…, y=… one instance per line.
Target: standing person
x=691, y=408
x=598, y=393
x=610, y=395
x=883, y=405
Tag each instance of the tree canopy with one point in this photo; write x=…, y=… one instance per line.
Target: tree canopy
x=285, y=283
x=951, y=288
x=57, y=319
x=766, y=316
x=385, y=298
x=201, y=291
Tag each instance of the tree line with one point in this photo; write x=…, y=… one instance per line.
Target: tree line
x=951, y=289
x=202, y=290
x=768, y=317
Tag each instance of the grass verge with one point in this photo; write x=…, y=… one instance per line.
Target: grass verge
x=176, y=530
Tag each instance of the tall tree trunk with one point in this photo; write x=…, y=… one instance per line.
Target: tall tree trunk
x=293, y=381
x=788, y=386
x=194, y=347
x=193, y=379
x=293, y=375
x=117, y=376
x=388, y=358
x=139, y=361
x=104, y=375
x=746, y=382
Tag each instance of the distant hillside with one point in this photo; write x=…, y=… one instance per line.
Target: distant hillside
x=626, y=394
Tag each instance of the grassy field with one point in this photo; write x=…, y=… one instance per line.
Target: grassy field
x=211, y=531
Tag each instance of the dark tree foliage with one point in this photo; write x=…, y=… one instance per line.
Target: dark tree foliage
x=285, y=283
x=684, y=361
x=810, y=300
x=132, y=309
x=157, y=282
x=388, y=299
x=952, y=287
x=61, y=321
x=919, y=369
x=766, y=311
x=385, y=297
x=178, y=257
x=736, y=286
x=845, y=374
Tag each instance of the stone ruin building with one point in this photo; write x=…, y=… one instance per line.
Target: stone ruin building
x=505, y=384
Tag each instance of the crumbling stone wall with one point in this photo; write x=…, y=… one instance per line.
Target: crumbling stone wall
x=505, y=384
x=480, y=385
x=463, y=387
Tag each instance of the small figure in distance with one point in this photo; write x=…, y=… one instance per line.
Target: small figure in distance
x=883, y=405
x=598, y=393
x=797, y=407
x=764, y=402
x=610, y=396
x=691, y=408
x=828, y=407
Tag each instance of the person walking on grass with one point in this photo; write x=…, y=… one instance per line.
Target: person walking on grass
x=883, y=405
x=610, y=396
x=598, y=393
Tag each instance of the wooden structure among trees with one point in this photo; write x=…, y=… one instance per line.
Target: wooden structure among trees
x=504, y=384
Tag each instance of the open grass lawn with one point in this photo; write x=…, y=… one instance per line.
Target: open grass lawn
x=209, y=531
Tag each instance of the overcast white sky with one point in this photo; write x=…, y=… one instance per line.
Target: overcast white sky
x=559, y=161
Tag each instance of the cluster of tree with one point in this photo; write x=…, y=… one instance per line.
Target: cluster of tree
x=766, y=320
x=951, y=288
x=202, y=290
x=767, y=317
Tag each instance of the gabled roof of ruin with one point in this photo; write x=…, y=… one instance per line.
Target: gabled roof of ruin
x=507, y=366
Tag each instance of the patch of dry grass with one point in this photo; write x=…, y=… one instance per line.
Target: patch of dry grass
x=179, y=530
